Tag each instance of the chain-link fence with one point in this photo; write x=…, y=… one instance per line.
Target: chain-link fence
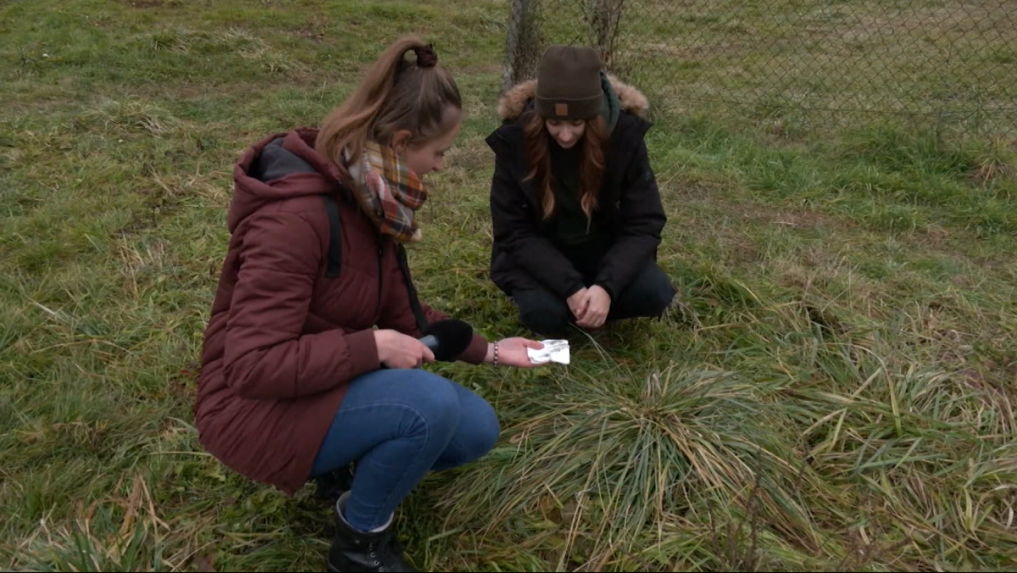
x=945, y=63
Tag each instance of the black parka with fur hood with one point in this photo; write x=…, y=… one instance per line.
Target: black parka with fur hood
x=524, y=250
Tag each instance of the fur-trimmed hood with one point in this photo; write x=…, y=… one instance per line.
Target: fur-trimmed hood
x=514, y=102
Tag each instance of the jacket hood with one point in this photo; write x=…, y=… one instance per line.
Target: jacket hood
x=279, y=167
x=517, y=99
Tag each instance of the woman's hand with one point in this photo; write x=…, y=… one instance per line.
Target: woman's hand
x=579, y=303
x=598, y=309
x=396, y=350
x=512, y=352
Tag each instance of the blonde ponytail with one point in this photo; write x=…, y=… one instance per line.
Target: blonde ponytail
x=395, y=94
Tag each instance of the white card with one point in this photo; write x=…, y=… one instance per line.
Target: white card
x=553, y=351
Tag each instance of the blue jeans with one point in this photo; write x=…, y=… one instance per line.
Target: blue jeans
x=397, y=425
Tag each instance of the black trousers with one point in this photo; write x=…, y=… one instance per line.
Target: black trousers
x=545, y=313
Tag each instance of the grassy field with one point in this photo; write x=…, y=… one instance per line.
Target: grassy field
x=835, y=390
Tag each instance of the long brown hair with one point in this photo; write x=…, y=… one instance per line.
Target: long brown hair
x=591, y=163
x=395, y=94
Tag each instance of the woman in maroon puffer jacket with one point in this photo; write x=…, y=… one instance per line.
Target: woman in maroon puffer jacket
x=296, y=382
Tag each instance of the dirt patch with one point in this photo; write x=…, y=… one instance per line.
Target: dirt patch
x=314, y=30
x=176, y=92
x=149, y=3
x=183, y=383
x=480, y=68
x=798, y=218
x=718, y=194
x=866, y=21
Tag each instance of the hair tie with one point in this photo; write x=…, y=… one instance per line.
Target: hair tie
x=426, y=58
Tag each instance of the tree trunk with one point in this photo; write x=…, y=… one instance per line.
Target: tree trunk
x=521, y=43
x=604, y=17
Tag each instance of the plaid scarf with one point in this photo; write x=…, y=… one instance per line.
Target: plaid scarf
x=388, y=191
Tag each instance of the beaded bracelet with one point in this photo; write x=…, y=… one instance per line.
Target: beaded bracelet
x=496, y=354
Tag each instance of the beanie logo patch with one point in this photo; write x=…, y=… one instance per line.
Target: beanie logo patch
x=561, y=109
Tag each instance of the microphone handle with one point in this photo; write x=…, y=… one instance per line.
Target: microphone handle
x=431, y=342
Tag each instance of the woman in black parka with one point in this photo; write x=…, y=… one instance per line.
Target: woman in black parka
x=575, y=207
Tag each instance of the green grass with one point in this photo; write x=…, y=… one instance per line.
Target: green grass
x=836, y=388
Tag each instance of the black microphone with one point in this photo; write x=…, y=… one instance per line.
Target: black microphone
x=447, y=339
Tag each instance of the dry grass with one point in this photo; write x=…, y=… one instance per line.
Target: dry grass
x=835, y=389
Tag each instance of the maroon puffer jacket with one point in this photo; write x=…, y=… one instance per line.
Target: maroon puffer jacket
x=284, y=340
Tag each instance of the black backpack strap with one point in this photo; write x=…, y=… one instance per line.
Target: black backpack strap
x=335, y=243
x=418, y=312
x=335, y=250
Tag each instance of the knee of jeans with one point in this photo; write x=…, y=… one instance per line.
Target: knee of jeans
x=436, y=404
x=484, y=430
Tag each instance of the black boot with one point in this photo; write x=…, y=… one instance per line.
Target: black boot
x=353, y=550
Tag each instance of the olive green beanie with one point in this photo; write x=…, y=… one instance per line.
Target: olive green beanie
x=569, y=83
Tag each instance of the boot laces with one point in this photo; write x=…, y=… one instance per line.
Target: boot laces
x=372, y=549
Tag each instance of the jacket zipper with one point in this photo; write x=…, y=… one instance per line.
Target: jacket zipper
x=381, y=252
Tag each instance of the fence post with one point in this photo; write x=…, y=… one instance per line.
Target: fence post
x=603, y=17
x=520, y=32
